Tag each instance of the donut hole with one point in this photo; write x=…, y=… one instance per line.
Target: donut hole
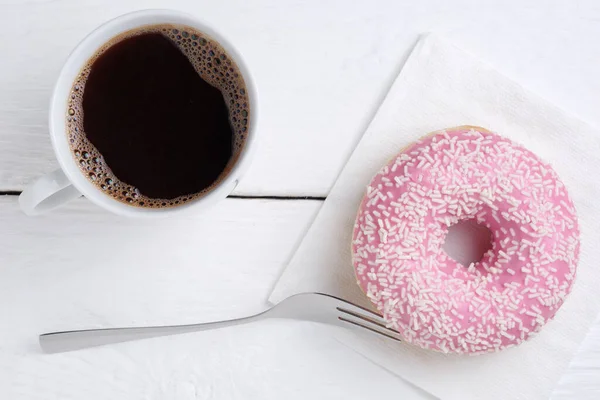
x=467, y=241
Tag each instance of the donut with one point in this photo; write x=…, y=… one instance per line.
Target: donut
x=466, y=173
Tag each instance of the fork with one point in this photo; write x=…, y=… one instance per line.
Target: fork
x=316, y=307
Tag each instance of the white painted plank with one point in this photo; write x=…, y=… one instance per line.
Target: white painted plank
x=582, y=380
x=82, y=267
x=140, y=271
x=321, y=67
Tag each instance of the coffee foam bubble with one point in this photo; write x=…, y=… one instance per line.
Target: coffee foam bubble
x=212, y=63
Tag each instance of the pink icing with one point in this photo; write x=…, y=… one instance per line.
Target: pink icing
x=435, y=302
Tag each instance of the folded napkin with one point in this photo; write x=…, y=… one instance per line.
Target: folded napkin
x=442, y=86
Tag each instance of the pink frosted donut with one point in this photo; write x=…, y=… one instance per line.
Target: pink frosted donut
x=466, y=173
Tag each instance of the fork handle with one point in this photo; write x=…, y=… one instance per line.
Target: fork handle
x=57, y=342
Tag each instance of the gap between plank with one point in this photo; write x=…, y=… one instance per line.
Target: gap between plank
x=314, y=198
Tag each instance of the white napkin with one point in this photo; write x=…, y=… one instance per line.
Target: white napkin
x=442, y=86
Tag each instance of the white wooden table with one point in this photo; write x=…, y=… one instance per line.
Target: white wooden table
x=322, y=68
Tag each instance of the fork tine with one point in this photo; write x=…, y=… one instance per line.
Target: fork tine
x=372, y=329
x=373, y=314
x=359, y=317
x=366, y=318
x=356, y=309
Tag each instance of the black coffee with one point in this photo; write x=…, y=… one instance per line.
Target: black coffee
x=158, y=116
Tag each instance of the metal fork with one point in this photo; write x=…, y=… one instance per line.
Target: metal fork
x=315, y=307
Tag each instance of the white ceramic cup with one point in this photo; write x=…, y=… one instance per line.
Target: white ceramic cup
x=68, y=182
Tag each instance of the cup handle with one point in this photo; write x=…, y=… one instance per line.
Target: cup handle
x=47, y=193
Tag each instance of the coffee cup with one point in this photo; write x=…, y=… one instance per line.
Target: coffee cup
x=83, y=173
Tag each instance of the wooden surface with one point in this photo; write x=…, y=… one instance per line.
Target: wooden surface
x=322, y=68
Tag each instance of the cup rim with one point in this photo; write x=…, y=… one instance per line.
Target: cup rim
x=73, y=65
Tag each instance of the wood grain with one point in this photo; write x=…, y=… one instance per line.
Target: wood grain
x=321, y=68
x=82, y=267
